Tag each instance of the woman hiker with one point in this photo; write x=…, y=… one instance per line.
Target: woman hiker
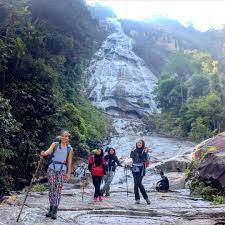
x=59, y=170
x=96, y=165
x=139, y=157
x=111, y=161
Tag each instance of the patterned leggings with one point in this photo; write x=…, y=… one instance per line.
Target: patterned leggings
x=55, y=182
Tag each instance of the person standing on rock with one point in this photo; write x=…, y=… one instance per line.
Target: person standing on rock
x=59, y=170
x=96, y=165
x=139, y=157
x=111, y=161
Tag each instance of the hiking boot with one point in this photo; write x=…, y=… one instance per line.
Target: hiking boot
x=100, y=198
x=107, y=194
x=54, y=212
x=148, y=201
x=137, y=201
x=95, y=199
x=49, y=214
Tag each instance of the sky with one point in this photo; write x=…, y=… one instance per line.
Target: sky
x=203, y=14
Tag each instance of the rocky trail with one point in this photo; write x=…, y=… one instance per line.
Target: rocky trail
x=174, y=207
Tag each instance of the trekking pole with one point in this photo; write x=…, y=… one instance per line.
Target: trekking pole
x=83, y=184
x=29, y=188
x=125, y=170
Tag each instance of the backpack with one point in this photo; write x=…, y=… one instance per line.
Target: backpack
x=96, y=170
x=57, y=144
x=147, y=162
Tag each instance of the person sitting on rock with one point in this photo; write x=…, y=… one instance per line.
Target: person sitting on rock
x=111, y=162
x=163, y=184
x=96, y=165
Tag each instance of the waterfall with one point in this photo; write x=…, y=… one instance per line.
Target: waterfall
x=119, y=82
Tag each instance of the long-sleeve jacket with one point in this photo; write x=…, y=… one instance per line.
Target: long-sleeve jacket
x=165, y=182
x=139, y=156
x=111, y=162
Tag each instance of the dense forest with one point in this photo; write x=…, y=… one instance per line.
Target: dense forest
x=44, y=48
x=191, y=96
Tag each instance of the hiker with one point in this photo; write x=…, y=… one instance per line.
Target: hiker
x=111, y=161
x=139, y=157
x=59, y=170
x=96, y=165
x=163, y=184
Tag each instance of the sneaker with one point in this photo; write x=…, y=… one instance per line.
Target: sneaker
x=148, y=201
x=100, y=198
x=95, y=199
x=137, y=201
x=107, y=194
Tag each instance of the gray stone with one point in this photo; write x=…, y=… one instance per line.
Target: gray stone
x=118, y=81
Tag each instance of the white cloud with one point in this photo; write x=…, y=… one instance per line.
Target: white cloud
x=203, y=14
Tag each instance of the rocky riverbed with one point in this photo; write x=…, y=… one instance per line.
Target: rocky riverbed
x=174, y=207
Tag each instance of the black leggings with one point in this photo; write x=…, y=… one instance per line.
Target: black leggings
x=138, y=185
x=97, y=183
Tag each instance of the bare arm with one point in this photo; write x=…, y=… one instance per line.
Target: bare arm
x=69, y=162
x=49, y=151
x=132, y=152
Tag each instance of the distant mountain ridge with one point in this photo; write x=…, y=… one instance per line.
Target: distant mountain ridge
x=156, y=38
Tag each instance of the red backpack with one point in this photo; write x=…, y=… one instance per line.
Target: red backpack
x=147, y=163
x=96, y=170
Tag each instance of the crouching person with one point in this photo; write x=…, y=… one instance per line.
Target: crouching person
x=163, y=184
x=59, y=170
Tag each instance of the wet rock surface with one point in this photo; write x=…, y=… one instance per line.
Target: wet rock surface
x=174, y=207
x=118, y=81
x=215, y=143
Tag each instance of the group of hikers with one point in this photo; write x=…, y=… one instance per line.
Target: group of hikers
x=102, y=168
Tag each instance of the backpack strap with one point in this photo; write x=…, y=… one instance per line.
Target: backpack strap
x=69, y=149
x=53, y=152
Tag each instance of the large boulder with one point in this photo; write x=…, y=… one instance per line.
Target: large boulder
x=212, y=168
x=210, y=155
x=209, y=145
x=175, y=164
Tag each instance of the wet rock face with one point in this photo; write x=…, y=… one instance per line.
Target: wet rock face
x=175, y=164
x=118, y=81
x=209, y=145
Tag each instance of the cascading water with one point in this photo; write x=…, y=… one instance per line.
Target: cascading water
x=119, y=82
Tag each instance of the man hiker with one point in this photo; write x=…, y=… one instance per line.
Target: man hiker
x=163, y=184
